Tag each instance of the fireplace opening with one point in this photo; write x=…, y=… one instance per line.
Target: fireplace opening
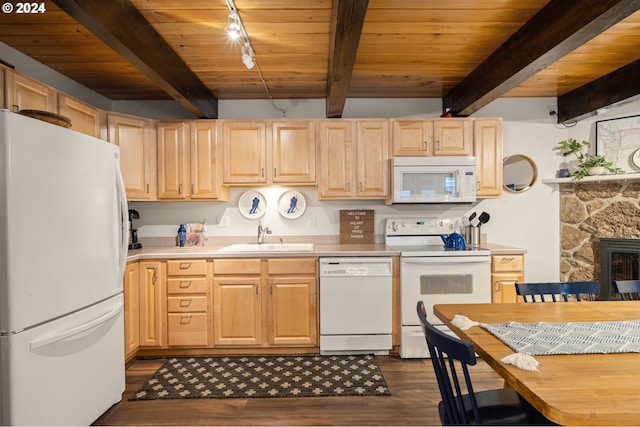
x=619, y=260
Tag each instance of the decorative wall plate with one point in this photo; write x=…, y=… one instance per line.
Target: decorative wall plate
x=292, y=204
x=252, y=204
x=635, y=158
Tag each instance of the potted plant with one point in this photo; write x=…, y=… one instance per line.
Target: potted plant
x=594, y=165
x=588, y=164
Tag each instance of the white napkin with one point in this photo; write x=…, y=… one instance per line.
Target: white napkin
x=522, y=361
x=463, y=322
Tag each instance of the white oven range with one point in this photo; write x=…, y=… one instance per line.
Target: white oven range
x=433, y=274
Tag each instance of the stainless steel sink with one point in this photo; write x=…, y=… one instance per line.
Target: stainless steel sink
x=268, y=247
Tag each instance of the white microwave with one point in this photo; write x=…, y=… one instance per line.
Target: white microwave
x=433, y=180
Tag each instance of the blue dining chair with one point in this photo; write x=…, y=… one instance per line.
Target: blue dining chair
x=580, y=290
x=628, y=290
x=462, y=405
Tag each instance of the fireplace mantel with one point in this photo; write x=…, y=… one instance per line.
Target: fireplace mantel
x=630, y=176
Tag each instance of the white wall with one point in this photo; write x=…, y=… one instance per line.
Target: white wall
x=528, y=220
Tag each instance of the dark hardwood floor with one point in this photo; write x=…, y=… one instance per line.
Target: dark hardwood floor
x=413, y=401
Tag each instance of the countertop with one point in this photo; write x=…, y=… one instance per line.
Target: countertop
x=320, y=250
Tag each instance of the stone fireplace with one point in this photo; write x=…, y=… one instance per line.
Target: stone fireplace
x=590, y=211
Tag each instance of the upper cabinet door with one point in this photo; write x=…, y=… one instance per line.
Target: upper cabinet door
x=335, y=155
x=84, y=118
x=294, y=152
x=412, y=137
x=245, y=152
x=25, y=93
x=372, y=153
x=206, y=168
x=452, y=137
x=487, y=134
x=136, y=138
x=172, y=157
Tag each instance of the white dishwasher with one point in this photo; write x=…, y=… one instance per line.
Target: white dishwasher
x=355, y=305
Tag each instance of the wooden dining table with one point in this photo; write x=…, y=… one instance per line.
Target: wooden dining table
x=569, y=389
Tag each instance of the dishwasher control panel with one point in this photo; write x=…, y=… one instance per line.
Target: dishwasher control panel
x=355, y=266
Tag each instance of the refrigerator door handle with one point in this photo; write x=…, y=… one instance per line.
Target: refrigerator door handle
x=124, y=208
x=62, y=335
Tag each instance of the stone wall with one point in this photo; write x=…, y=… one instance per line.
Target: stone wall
x=589, y=211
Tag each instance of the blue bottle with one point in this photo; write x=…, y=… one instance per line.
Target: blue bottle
x=182, y=235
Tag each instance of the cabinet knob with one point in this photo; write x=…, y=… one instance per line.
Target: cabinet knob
x=185, y=284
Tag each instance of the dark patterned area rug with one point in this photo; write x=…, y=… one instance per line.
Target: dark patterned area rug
x=265, y=376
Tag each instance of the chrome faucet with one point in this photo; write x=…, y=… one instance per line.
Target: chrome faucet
x=262, y=231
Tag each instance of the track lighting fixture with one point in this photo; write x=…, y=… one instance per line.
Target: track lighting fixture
x=248, y=57
x=234, y=30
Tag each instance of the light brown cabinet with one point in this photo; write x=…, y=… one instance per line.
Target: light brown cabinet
x=189, y=303
x=293, y=144
x=131, y=310
x=25, y=93
x=237, y=302
x=412, y=138
x=260, y=302
x=432, y=137
x=84, y=118
x=269, y=152
x=245, y=151
x=452, y=137
x=353, y=159
x=152, y=288
x=292, y=311
x=136, y=138
x=188, y=159
x=506, y=270
x=487, y=149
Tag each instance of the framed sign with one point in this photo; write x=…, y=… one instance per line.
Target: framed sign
x=618, y=140
x=357, y=226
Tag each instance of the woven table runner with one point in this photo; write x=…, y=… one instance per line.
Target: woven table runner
x=544, y=338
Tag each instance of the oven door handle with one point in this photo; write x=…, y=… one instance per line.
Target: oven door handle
x=446, y=260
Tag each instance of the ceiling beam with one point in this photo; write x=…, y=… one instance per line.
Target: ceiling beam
x=123, y=28
x=347, y=20
x=557, y=29
x=616, y=86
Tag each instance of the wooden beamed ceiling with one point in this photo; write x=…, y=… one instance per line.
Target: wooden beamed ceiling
x=585, y=53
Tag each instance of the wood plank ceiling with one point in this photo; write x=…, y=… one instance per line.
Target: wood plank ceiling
x=467, y=52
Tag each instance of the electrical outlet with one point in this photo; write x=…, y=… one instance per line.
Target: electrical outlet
x=224, y=221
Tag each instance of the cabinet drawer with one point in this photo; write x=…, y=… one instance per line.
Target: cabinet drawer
x=507, y=263
x=186, y=304
x=186, y=285
x=237, y=266
x=187, y=329
x=292, y=266
x=187, y=267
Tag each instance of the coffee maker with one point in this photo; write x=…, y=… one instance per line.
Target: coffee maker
x=133, y=232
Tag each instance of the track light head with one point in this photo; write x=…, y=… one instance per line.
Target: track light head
x=233, y=27
x=248, y=57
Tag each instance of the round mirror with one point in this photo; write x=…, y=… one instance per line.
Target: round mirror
x=519, y=173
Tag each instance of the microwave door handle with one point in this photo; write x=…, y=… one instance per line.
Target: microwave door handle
x=457, y=183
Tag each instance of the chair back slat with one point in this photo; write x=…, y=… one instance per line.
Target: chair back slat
x=448, y=354
x=628, y=290
x=558, y=291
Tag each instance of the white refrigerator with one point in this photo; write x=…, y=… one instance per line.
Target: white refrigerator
x=63, y=245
